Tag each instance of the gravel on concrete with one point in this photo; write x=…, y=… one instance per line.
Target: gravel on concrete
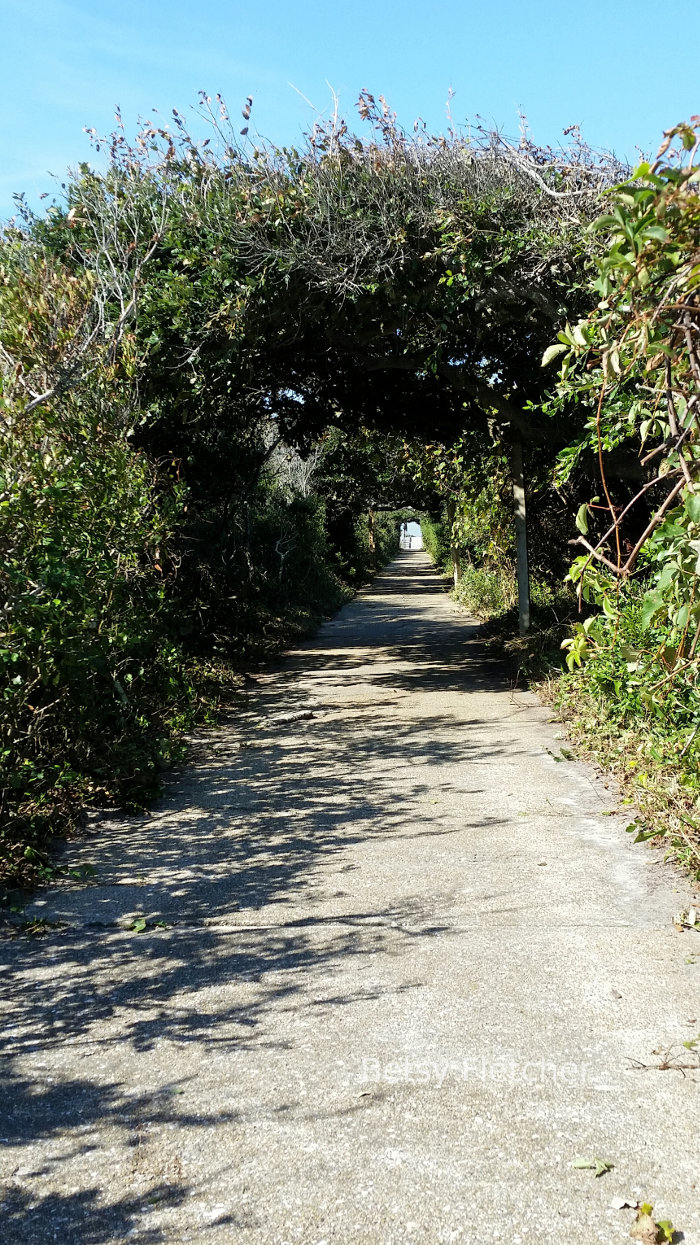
x=401, y=967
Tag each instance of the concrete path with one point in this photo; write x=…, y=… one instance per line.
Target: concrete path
x=399, y=959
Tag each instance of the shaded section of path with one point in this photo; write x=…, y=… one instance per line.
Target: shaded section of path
x=399, y=957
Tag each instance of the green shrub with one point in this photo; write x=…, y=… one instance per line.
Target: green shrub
x=128, y=596
x=484, y=592
x=92, y=679
x=436, y=540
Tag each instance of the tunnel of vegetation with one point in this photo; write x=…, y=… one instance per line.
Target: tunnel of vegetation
x=229, y=371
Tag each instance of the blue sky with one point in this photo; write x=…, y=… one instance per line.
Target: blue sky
x=623, y=69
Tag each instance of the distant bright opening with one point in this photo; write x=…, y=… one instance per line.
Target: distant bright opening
x=411, y=536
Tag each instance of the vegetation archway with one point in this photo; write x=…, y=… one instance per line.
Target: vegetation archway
x=394, y=291
x=224, y=364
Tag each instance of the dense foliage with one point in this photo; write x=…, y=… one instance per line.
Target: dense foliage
x=634, y=365
x=226, y=368
x=633, y=369
x=133, y=590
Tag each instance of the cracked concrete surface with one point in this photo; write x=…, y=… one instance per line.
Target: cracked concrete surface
x=398, y=961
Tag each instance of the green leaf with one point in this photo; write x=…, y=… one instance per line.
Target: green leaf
x=650, y=608
x=582, y=519
x=606, y=222
x=680, y=619
x=642, y=836
x=139, y=925
x=668, y=574
x=692, y=507
x=553, y=351
x=598, y=1166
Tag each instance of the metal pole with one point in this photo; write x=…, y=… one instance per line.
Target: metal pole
x=516, y=466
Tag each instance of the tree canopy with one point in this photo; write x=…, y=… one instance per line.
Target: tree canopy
x=398, y=280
